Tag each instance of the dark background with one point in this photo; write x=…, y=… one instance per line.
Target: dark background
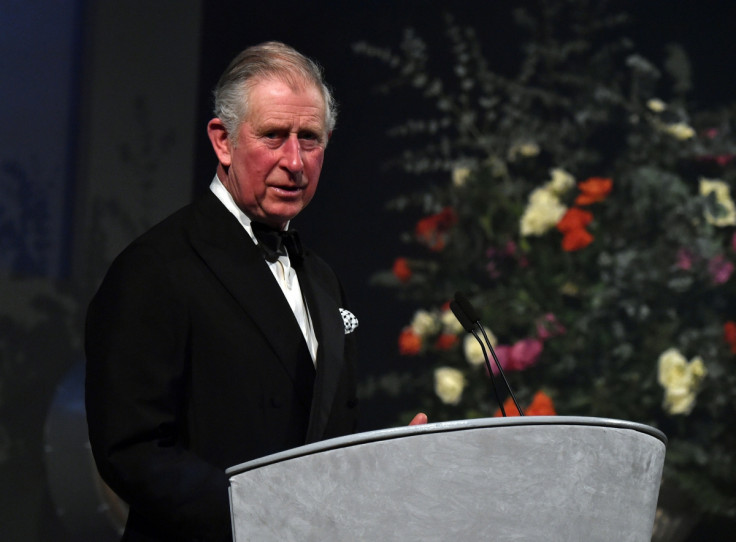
x=346, y=223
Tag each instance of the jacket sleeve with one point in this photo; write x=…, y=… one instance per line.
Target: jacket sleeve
x=136, y=348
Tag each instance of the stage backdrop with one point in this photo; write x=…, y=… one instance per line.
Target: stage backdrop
x=104, y=106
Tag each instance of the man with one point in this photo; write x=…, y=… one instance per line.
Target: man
x=205, y=347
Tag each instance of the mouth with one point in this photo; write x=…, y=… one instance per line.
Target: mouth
x=287, y=190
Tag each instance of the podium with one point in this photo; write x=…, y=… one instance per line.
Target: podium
x=528, y=478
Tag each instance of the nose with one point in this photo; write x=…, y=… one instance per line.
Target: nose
x=292, y=154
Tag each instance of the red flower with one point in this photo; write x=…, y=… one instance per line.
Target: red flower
x=576, y=239
x=432, y=230
x=729, y=334
x=446, y=341
x=509, y=408
x=401, y=269
x=593, y=190
x=572, y=225
x=541, y=405
x=410, y=344
x=574, y=219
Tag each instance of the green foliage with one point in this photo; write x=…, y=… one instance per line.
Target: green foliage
x=657, y=274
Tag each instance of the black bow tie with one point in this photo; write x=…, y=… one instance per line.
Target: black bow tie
x=275, y=243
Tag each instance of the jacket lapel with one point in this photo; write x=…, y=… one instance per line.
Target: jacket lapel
x=330, y=331
x=235, y=260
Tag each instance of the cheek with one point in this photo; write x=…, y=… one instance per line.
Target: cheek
x=311, y=189
x=314, y=165
x=254, y=170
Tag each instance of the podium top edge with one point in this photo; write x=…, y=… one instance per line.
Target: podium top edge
x=442, y=427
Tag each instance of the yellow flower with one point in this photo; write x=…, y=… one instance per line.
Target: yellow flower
x=723, y=197
x=542, y=214
x=561, y=182
x=679, y=401
x=656, y=105
x=425, y=323
x=679, y=130
x=449, y=384
x=460, y=175
x=527, y=149
x=680, y=379
x=697, y=368
x=570, y=288
x=473, y=350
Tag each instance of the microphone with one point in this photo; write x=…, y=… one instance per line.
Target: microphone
x=470, y=316
x=465, y=321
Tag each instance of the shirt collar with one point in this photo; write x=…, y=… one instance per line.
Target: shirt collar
x=219, y=190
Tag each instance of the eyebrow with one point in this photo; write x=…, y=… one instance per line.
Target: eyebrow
x=308, y=128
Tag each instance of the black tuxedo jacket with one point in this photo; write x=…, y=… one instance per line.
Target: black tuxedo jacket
x=195, y=363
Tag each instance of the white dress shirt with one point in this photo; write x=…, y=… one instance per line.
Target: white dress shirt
x=282, y=270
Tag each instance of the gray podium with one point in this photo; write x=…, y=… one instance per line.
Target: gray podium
x=501, y=479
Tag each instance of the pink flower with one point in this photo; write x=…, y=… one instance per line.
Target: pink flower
x=684, y=259
x=548, y=326
x=517, y=357
x=524, y=353
x=711, y=133
x=721, y=159
x=720, y=269
x=503, y=354
x=724, y=159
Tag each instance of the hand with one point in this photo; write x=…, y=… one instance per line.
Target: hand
x=419, y=419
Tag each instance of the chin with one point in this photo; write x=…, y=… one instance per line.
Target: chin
x=283, y=214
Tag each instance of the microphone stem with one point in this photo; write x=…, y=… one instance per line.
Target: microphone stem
x=490, y=371
x=500, y=369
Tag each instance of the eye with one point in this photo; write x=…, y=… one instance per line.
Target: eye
x=309, y=139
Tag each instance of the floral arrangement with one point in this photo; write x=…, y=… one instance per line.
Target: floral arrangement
x=587, y=213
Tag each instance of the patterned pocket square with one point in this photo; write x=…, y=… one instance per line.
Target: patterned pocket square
x=349, y=319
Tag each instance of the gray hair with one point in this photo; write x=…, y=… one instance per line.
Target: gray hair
x=268, y=60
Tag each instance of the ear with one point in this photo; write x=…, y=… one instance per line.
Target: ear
x=220, y=141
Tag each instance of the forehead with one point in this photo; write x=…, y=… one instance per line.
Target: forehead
x=273, y=99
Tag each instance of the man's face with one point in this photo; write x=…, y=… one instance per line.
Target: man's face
x=273, y=170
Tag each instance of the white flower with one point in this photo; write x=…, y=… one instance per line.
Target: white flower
x=679, y=130
x=460, y=176
x=656, y=105
x=561, y=181
x=542, y=214
x=723, y=197
x=473, y=351
x=680, y=379
x=449, y=384
x=425, y=323
x=450, y=323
